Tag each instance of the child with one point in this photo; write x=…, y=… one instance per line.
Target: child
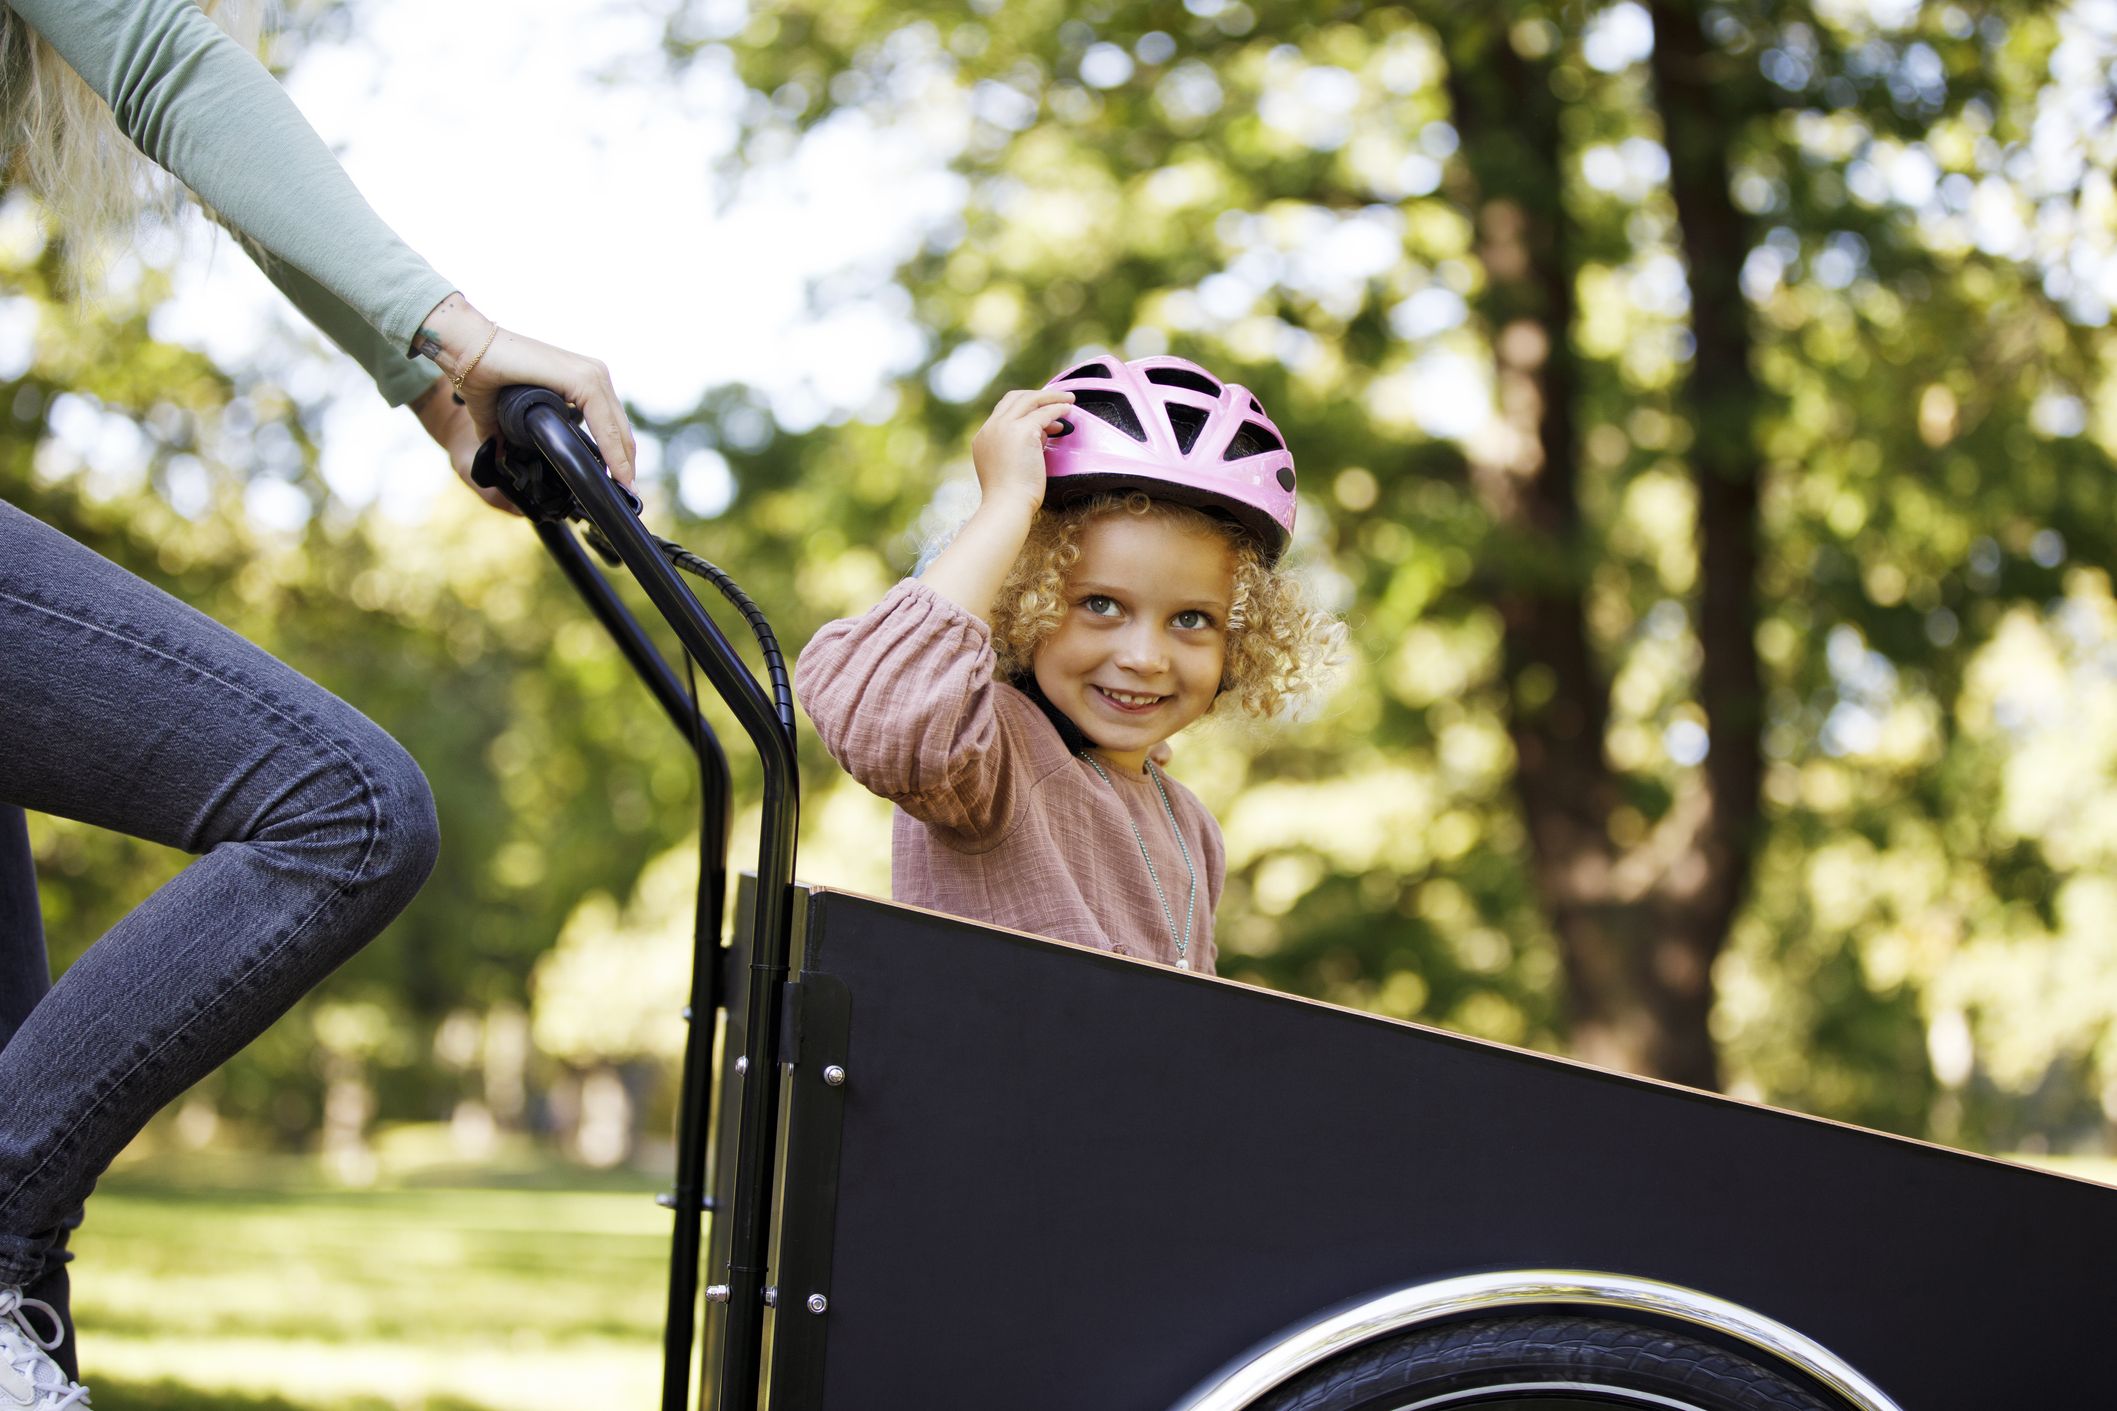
x=1119, y=576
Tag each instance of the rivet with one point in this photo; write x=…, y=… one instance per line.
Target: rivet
x=742, y=1064
x=717, y=1293
x=771, y=1296
x=834, y=1075
x=817, y=1303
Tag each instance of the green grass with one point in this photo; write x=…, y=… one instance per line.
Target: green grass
x=256, y=1286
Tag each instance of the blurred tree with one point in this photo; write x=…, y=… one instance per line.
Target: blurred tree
x=1783, y=401
x=1639, y=920
x=554, y=775
x=1700, y=417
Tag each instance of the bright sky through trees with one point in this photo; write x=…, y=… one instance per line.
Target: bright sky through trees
x=439, y=111
x=657, y=271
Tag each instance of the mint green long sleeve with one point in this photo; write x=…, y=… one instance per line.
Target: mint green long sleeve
x=397, y=377
x=197, y=105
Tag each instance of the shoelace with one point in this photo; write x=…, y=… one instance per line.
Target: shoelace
x=43, y=1373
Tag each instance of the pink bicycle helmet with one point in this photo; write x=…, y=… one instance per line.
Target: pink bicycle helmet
x=1170, y=428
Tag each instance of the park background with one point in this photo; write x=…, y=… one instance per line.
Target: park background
x=1702, y=423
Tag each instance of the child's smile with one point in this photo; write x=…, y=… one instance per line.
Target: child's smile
x=1140, y=651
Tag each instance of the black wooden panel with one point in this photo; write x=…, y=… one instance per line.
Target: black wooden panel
x=1073, y=1181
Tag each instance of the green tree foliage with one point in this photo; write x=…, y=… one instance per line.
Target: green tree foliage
x=1790, y=373
x=1699, y=416
x=551, y=769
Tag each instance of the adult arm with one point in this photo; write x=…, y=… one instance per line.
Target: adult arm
x=400, y=379
x=195, y=103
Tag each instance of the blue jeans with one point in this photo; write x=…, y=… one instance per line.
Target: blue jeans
x=123, y=708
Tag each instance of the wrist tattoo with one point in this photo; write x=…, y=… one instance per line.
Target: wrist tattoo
x=426, y=344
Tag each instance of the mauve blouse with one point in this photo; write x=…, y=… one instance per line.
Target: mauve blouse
x=996, y=820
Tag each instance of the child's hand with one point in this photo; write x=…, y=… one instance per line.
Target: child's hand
x=1009, y=448
x=1009, y=454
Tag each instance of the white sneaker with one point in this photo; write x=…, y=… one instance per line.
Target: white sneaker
x=29, y=1379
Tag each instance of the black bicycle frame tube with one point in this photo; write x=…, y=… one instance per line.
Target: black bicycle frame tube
x=632, y=642
x=694, y=1113
x=537, y=422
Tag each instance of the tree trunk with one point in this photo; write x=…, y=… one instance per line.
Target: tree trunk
x=1702, y=96
x=1638, y=928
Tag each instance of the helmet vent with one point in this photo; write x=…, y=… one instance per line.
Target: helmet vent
x=1255, y=408
x=1183, y=377
x=1084, y=370
x=1251, y=440
x=1186, y=422
x=1112, y=407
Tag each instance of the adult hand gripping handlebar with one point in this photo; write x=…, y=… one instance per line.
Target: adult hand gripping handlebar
x=550, y=469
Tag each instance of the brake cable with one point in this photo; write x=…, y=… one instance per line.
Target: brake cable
x=538, y=492
x=775, y=664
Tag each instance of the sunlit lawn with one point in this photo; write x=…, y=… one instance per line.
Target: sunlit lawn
x=256, y=1286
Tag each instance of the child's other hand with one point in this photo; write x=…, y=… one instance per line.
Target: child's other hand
x=1008, y=450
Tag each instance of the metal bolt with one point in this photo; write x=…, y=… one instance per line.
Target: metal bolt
x=687, y=1014
x=717, y=1293
x=817, y=1303
x=742, y=1064
x=834, y=1075
x=771, y=1296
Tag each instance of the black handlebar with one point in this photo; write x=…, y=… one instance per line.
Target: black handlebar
x=553, y=473
x=510, y=462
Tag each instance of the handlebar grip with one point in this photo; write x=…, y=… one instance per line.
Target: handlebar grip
x=521, y=465
x=513, y=408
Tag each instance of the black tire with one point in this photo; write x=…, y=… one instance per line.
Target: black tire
x=1542, y=1362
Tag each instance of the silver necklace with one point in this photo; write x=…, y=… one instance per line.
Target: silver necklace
x=1190, y=905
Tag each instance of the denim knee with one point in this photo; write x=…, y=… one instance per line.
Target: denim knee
x=351, y=822
x=406, y=836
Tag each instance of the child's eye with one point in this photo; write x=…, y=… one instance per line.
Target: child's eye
x=1191, y=619
x=1100, y=605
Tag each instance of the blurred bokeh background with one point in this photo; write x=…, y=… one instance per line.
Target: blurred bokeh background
x=1702, y=422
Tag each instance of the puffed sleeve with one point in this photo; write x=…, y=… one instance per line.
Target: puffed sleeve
x=904, y=698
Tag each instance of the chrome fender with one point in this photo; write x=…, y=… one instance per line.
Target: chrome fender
x=1475, y=1295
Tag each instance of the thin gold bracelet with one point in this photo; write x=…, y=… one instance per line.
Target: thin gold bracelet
x=472, y=366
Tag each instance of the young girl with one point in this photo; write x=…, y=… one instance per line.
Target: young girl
x=1119, y=577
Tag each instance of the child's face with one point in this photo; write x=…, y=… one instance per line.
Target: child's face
x=1138, y=655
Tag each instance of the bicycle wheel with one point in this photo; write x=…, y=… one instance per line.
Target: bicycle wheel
x=1543, y=1362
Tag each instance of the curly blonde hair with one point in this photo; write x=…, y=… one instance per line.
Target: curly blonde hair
x=1280, y=646
x=58, y=138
